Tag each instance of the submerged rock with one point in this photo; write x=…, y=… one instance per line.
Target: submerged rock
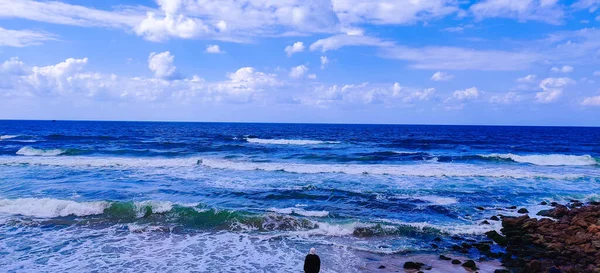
x=413, y=265
x=470, y=264
x=523, y=210
x=456, y=262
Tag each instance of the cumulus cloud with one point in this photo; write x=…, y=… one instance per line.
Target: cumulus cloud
x=215, y=49
x=466, y=94
x=564, y=69
x=591, y=101
x=298, y=71
x=312, y=76
x=69, y=80
x=391, y=12
x=162, y=64
x=324, y=62
x=365, y=93
x=343, y=40
x=441, y=76
x=552, y=89
x=295, y=48
x=548, y=11
x=527, y=79
x=22, y=38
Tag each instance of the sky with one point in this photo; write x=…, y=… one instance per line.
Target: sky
x=496, y=62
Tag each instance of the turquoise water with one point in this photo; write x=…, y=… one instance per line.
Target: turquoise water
x=226, y=197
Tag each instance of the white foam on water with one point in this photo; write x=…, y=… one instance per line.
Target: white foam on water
x=300, y=211
x=438, y=200
x=459, y=229
x=421, y=170
x=3, y=137
x=120, y=162
x=48, y=208
x=549, y=159
x=30, y=151
x=289, y=141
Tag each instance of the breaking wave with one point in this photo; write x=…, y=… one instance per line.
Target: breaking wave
x=3, y=137
x=289, y=141
x=548, y=160
x=30, y=151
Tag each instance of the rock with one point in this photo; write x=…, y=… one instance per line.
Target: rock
x=437, y=239
x=381, y=267
x=543, y=203
x=456, y=262
x=442, y=257
x=434, y=246
x=501, y=271
x=499, y=239
x=495, y=218
x=470, y=264
x=512, y=207
x=485, y=222
x=554, y=204
x=413, y=265
x=480, y=208
x=523, y=210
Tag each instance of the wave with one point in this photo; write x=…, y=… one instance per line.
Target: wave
x=166, y=216
x=289, y=141
x=438, y=200
x=3, y=137
x=30, y=151
x=549, y=159
x=300, y=211
x=420, y=170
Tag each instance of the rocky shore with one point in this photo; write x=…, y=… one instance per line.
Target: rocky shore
x=568, y=240
x=562, y=239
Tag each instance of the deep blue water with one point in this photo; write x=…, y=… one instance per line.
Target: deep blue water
x=137, y=196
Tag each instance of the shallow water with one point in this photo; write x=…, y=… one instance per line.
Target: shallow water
x=133, y=196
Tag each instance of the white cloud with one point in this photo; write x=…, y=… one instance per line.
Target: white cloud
x=324, y=62
x=456, y=58
x=162, y=64
x=312, y=76
x=591, y=5
x=22, y=38
x=69, y=81
x=365, y=93
x=441, y=76
x=342, y=40
x=548, y=11
x=298, y=71
x=171, y=26
x=591, y=101
x=564, y=69
x=66, y=14
x=552, y=89
x=382, y=12
x=507, y=98
x=597, y=73
x=295, y=48
x=527, y=79
x=215, y=49
x=467, y=94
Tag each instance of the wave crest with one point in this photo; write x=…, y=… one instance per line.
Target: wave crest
x=3, y=137
x=549, y=159
x=289, y=141
x=30, y=151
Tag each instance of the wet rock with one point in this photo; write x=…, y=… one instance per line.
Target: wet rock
x=543, y=203
x=495, y=218
x=437, y=239
x=512, y=207
x=501, y=271
x=523, y=210
x=456, y=262
x=381, y=267
x=470, y=264
x=496, y=237
x=434, y=246
x=413, y=265
x=485, y=222
x=442, y=257
x=480, y=208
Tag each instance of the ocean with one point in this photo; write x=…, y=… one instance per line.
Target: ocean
x=240, y=197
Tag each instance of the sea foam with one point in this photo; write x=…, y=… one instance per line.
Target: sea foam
x=30, y=151
x=3, y=137
x=289, y=141
x=549, y=159
x=300, y=211
x=47, y=207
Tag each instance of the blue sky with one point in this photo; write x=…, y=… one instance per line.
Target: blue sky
x=520, y=62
